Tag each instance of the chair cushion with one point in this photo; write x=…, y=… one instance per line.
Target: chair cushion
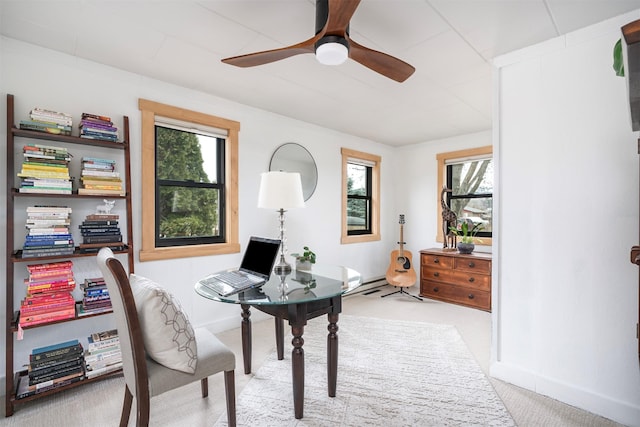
x=168, y=336
x=213, y=357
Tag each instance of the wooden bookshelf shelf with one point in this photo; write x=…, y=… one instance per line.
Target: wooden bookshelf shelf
x=16, y=193
x=16, y=378
x=16, y=256
x=69, y=139
x=13, y=291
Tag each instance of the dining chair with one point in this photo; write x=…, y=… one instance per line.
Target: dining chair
x=145, y=378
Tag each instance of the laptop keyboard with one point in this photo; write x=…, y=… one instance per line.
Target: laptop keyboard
x=236, y=279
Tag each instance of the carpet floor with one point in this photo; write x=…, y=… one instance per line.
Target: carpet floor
x=390, y=373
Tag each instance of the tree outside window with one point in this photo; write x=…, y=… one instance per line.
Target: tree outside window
x=471, y=198
x=189, y=187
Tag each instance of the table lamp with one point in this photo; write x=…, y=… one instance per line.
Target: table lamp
x=281, y=191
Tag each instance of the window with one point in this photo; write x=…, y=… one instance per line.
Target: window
x=189, y=187
x=360, y=196
x=189, y=183
x=469, y=174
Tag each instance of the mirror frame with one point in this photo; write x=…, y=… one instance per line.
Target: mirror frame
x=309, y=175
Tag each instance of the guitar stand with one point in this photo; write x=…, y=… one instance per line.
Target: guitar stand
x=402, y=292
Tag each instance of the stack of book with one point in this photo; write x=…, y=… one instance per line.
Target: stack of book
x=48, y=297
x=43, y=120
x=96, y=297
x=99, y=176
x=48, y=232
x=52, y=367
x=45, y=169
x=98, y=231
x=94, y=126
x=103, y=353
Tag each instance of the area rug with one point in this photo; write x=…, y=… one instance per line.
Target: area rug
x=390, y=373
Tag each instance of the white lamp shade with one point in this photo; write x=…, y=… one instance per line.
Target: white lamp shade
x=280, y=190
x=332, y=53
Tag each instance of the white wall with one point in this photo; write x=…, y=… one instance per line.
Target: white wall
x=44, y=78
x=567, y=294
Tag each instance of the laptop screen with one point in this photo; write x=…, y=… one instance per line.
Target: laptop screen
x=260, y=256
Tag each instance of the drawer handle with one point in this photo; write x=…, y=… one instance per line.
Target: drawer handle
x=436, y=289
x=436, y=274
x=471, y=279
x=471, y=296
x=436, y=260
x=472, y=264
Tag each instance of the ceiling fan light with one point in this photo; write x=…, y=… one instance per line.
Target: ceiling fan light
x=332, y=53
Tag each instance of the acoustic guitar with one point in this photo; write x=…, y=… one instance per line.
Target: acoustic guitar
x=400, y=271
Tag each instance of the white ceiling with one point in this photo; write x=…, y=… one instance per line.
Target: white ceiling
x=449, y=42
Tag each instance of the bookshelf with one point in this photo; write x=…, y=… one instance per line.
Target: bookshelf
x=14, y=256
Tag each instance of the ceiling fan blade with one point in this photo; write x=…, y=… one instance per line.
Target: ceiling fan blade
x=379, y=62
x=340, y=13
x=268, y=56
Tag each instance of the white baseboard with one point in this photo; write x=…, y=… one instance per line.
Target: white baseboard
x=622, y=412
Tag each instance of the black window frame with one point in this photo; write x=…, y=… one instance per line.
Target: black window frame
x=218, y=185
x=369, y=201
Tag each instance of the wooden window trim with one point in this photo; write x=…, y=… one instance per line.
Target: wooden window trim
x=148, y=252
x=375, y=197
x=442, y=158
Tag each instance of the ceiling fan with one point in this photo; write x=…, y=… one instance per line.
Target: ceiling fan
x=332, y=44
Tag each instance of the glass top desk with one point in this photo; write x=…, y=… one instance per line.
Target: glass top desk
x=295, y=297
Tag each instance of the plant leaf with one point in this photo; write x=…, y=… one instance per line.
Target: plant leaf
x=618, y=61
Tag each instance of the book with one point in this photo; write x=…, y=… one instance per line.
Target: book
x=37, y=319
x=101, y=192
x=103, y=138
x=44, y=190
x=62, y=372
x=42, y=208
x=25, y=390
x=50, y=266
x=103, y=335
x=109, y=342
x=54, y=347
x=96, y=291
x=44, y=128
x=53, y=362
x=102, y=217
x=82, y=311
x=109, y=238
x=96, y=117
x=45, y=252
x=35, y=370
x=52, y=124
x=104, y=370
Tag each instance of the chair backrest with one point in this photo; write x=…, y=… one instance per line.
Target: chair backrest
x=134, y=362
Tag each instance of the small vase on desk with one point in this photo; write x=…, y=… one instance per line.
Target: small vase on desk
x=303, y=265
x=466, y=248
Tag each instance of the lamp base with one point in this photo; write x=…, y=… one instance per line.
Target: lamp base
x=282, y=268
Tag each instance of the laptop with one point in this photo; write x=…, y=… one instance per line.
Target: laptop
x=255, y=269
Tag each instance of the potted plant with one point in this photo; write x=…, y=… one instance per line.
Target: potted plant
x=467, y=232
x=305, y=260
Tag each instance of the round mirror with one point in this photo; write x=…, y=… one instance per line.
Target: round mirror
x=292, y=157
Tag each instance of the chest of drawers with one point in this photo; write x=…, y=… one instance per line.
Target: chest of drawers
x=456, y=278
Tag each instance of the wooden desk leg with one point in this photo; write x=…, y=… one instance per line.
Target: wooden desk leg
x=246, y=337
x=279, y=337
x=332, y=354
x=297, y=367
